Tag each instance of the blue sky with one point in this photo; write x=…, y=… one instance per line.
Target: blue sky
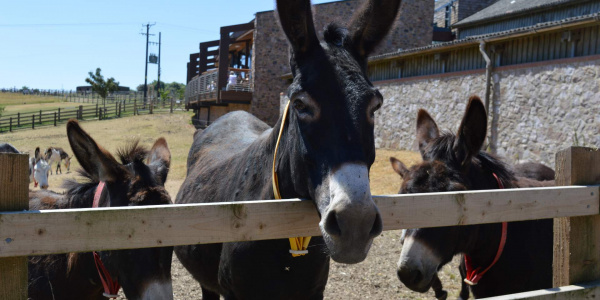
x=54, y=44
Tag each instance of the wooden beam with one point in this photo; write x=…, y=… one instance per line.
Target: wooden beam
x=236, y=97
x=577, y=239
x=581, y=291
x=80, y=230
x=14, y=196
x=223, y=62
x=236, y=28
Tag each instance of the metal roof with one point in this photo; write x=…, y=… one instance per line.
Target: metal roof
x=491, y=36
x=507, y=8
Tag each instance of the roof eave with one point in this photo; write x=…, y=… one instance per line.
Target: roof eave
x=494, y=37
x=462, y=24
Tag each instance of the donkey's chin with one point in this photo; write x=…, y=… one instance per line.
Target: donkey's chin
x=347, y=252
x=422, y=287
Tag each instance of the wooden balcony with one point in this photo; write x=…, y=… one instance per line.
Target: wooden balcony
x=202, y=90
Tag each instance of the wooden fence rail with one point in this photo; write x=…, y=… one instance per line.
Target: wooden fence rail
x=32, y=120
x=79, y=230
x=76, y=230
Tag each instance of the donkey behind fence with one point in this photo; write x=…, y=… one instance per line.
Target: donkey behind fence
x=138, y=180
x=325, y=149
x=514, y=257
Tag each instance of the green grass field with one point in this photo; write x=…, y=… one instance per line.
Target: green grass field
x=36, y=107
x=10, y=99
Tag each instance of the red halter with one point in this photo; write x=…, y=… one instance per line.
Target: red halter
x=111, y=287
x=474, y=275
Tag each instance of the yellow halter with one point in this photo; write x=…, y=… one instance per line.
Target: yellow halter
x=298, y=245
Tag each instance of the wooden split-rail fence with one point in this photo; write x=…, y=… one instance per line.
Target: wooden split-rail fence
x=575, y=207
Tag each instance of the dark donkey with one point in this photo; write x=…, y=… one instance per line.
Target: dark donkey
x=456, y=163
x=326, y=150
x=139, y=180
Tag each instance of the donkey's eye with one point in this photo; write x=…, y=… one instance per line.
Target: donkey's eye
x=299, y=105
x=376, y=108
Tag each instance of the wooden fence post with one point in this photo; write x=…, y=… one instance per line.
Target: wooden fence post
x=10, y=125
x=577, y=239
x=80, y=112
x=134, y=106
x=54, y=119
x=14, y=196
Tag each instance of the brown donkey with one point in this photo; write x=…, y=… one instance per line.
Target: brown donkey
x=455, y=163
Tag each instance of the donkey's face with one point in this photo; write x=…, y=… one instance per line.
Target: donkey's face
x=445, y=167
x=143, y=273
x=331, y=121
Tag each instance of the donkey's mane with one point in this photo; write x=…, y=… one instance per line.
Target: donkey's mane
x=132, y=152
x=80, y=193
x=442, y=148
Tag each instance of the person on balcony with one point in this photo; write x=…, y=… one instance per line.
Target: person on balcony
x=232, y=80
x=211, y=86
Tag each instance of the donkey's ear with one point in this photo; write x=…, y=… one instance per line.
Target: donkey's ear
x=472, y=131
x=427, y=130
x=399, y=167
x=37, y=153
x=159, y=160
x=296, y=21
x=96, y=161
x=371, y=24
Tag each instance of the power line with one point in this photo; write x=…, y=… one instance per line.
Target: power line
x=64, y=24
x=189, y=28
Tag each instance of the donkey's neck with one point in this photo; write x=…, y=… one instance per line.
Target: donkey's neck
x=292, y=178
x=483, y=245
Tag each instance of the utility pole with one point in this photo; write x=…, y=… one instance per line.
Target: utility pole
x=146, y=61
x=158, y=97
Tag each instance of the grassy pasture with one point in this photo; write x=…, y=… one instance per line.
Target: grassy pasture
x=375, y=278
x=113, y=134
x=28, y=109
x=9, y=99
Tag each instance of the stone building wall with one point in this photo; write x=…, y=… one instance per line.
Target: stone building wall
x=540, y=108
x=270, y=50
x=444, y=98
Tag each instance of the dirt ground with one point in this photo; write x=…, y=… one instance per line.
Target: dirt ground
x=375, y=278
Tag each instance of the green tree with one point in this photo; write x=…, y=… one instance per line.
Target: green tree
x=155, y=85
x=102, y=87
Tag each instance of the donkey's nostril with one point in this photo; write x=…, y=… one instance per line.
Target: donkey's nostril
x=410, y=277
x=377, y=226
x=332, y=227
